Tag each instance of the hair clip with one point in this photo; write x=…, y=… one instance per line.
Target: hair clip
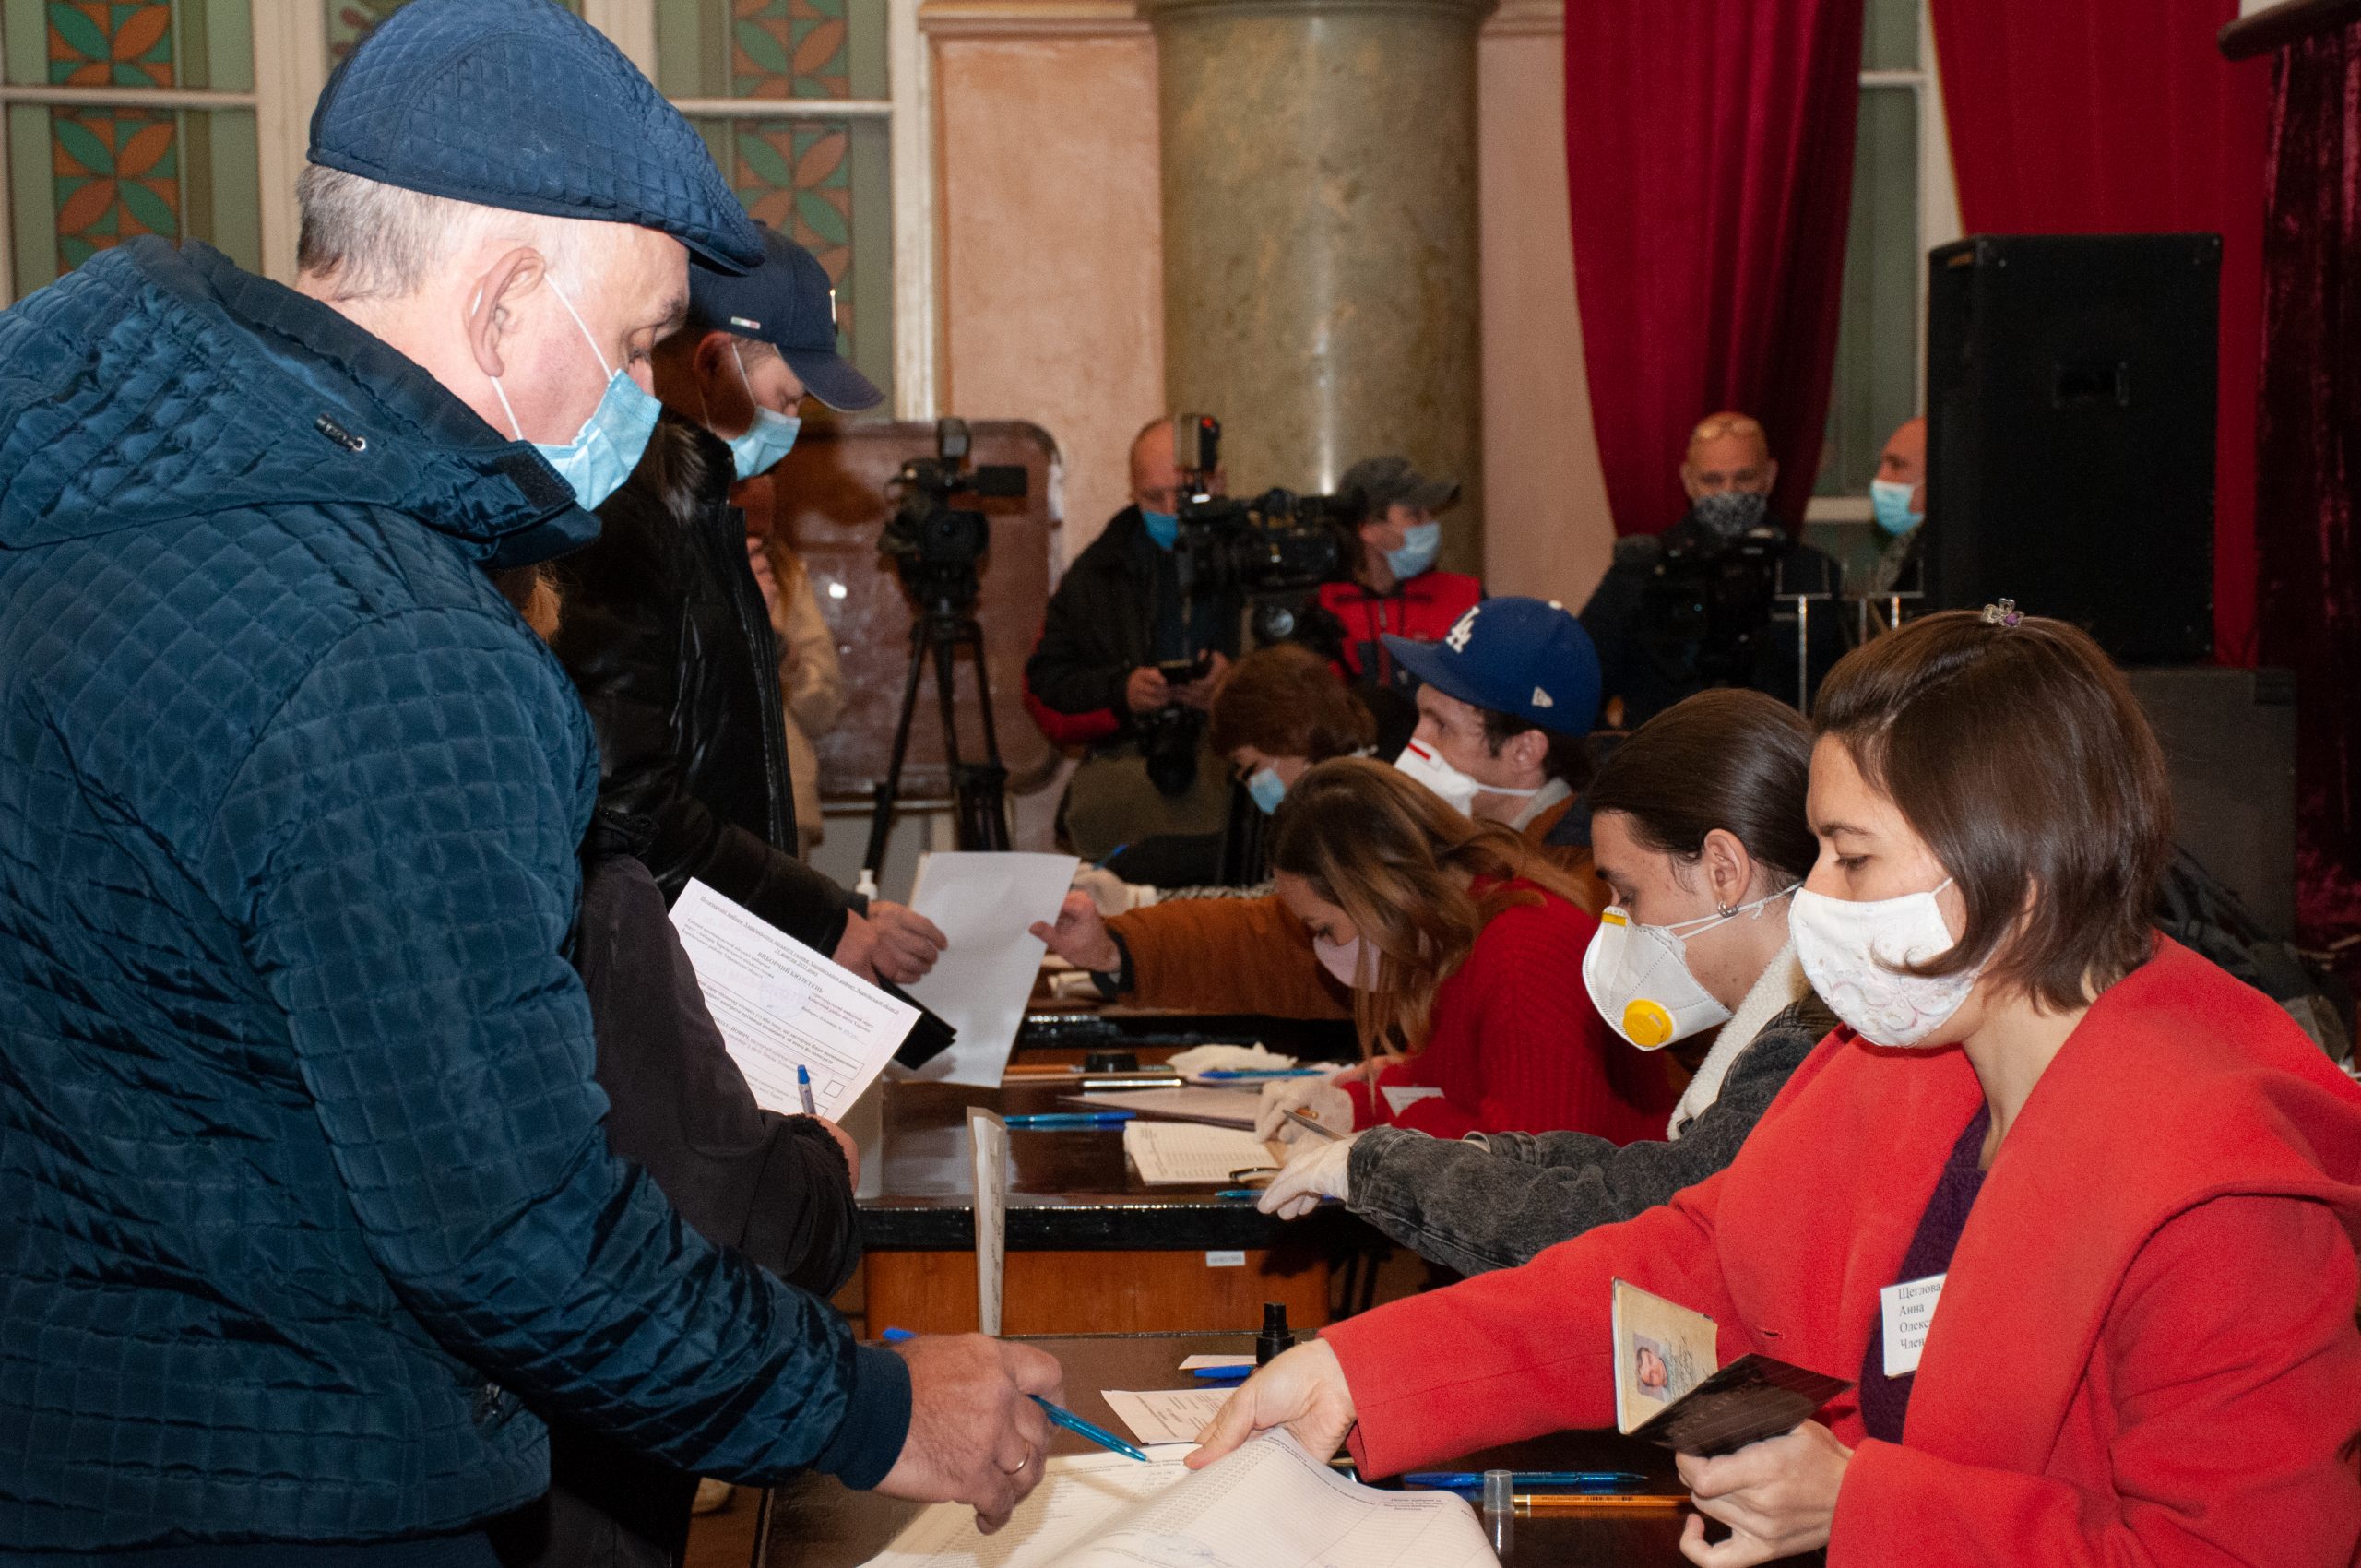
x=2002, y=614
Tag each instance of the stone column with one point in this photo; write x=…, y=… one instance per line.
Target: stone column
x=1320, y=237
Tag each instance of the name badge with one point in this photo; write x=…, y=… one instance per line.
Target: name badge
x=1909, y=1308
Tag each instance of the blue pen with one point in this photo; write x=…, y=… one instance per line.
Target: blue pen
x=1110, y=855
x=1099, y=1435
x=1531, y=1481
x=1224, y=1073
x=1059, y=1120
x=896, y=1335
x=804, y=1087
x=1224, y=1374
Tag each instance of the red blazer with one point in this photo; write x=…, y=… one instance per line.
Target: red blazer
x=1514, y=1044
x=2146, y=1353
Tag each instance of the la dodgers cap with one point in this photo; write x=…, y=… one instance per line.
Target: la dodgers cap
x=1527, y=658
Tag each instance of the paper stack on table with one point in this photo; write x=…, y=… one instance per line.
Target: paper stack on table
x=780, y=1006
x=1222, y=1108
x=1174, y=1154
x=1268, y=1505
x=984, y=901
x=1167, y=1415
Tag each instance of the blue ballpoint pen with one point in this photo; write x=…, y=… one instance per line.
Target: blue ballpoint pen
x=804, y=1087
x=1099, y=1435
x=1531, y=1481
x=1223, y=1073
x=1223, y=1374
x=1059, y=1120
x=897, y=1335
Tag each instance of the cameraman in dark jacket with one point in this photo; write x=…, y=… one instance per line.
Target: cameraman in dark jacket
x=666, y=635
x=1093, y=678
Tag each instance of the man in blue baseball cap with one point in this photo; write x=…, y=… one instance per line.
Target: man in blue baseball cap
x=307, y=1189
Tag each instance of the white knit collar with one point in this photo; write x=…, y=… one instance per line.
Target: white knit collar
x=1779, y=987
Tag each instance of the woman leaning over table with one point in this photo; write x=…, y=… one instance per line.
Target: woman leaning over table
x=2142, y=1174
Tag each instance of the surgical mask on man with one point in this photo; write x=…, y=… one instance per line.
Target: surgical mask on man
x=767, y=441
x=1162, y=526
x=1266, y=789
x=1420, y=543
x=1426, y=765
x=1640, y=981
x=1851, y=954
x=1729, y=513
x=1342, y=959
x=604, y=451
x=1890, y=501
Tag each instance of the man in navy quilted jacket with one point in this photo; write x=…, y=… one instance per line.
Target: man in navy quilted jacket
x=303, y=1188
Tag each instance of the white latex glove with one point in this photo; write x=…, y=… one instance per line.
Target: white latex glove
x=1314, y=1173
x=1322, y=1099
x=1112, y=893
x=1229, y=1058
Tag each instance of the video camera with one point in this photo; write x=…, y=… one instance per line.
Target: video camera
x=935, y=545
x=1276, y=544
x=1709, y=603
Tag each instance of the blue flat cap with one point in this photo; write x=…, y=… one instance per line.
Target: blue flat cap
x=522, y=104
x=786, y=302
x=1527, y=658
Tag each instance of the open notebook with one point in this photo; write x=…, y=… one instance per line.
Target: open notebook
x=1268, y=1505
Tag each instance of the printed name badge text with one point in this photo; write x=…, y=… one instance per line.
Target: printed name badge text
x=1908, y=1308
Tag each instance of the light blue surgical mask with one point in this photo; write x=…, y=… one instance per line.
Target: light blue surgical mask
x=1162, y=526
x=1265, y=790
x=604, y=451
x=770, y=439
x=1421, y=541
x=1889, y=500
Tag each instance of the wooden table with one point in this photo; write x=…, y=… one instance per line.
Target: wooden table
x=815, y=1523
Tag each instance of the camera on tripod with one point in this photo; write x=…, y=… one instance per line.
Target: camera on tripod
x=936, y=546
x=1714, y=603
x=1277, y=543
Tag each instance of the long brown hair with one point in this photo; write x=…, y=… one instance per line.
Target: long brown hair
x=1400, y=863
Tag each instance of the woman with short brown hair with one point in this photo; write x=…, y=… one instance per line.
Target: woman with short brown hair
x=2143, y=1176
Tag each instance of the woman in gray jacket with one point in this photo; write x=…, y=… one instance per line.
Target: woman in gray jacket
x=1697, y=823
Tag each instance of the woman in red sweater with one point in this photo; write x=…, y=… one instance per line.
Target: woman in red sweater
x=1465, y=954
x=2147, y=1179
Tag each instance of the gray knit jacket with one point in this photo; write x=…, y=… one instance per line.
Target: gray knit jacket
x=1492, y=1200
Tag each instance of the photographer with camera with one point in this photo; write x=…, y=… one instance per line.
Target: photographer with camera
x=666, y=635
x=1119, y=668
x=1386, y=511
x=1710, y=602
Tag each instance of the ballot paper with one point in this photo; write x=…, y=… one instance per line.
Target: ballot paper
x=1270, y=1504
x=1222, y=1108
x=984, y=901
x=1167, y=1415
x=1173, y=1154
x=780, y=1005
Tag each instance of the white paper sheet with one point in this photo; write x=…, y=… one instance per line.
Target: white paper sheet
x=987, y=1139
x=1191, y=1363
x=1169, y=1415
x=1191, y=1153
x=1077, y=1494
x=780, y=1005
x=1222, y=1108
x=984, y=900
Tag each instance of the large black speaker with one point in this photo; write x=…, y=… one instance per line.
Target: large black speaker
x=2070, y=434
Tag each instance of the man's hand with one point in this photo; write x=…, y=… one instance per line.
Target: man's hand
x=844, y=1142
x=857, y=948
x=759, y=558
x=1778, y=1496
x=1199, y=692
x=1302, y=1390
x=976, y=1435
x=1080, y=936
x=1146, y=691
x=907, y=942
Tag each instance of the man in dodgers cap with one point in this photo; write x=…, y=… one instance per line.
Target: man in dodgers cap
x=306, y=1188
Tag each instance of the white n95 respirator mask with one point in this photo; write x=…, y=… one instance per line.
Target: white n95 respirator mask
x=1426, y=765
x=1852, y=953
x=1640, y=981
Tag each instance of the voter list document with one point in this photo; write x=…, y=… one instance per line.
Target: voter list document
x=780, y=1005
x=1270, y=1504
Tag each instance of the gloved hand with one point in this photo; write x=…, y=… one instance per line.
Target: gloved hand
x=1312, y=1174
x=1112, y=893
x=1322, y=1099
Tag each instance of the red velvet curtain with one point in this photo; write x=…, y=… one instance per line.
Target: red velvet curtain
x=1710, y=153
x=2310, y=449
x=2120, y=116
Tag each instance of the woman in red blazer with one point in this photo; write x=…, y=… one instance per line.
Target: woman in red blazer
x=2147, y=1180
x=1464, y=952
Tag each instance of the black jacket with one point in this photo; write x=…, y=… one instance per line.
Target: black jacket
x=1655, y=648
x=666, y=635
x=1117, y=609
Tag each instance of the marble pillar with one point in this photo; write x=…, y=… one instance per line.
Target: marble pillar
x=1321, y=273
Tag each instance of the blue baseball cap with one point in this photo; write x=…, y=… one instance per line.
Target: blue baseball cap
x=788, y=303
x=521, y=104
x=1527, y=658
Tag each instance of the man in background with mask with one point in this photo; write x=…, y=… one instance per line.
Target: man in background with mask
x=667, y=636
x=1898, y=502
x=1107, y=674
x=306, y=1184
x=1695, y=607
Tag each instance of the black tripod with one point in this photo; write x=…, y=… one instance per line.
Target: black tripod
x=944, y=625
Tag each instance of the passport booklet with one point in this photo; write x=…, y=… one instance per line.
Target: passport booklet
x=1671, y=1388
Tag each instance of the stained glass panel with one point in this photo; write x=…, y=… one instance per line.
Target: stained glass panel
x=771, y=48
x=349, y=21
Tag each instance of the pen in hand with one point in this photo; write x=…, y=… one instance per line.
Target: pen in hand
x=1098, y=1434
x=1300, y=1119
x=804, y=1087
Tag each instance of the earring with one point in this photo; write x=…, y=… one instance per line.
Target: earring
x=1728, y=911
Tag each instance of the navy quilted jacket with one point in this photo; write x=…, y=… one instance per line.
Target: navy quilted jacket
x=302, y=1177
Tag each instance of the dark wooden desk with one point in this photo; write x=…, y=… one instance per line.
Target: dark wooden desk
x=815, y=1522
